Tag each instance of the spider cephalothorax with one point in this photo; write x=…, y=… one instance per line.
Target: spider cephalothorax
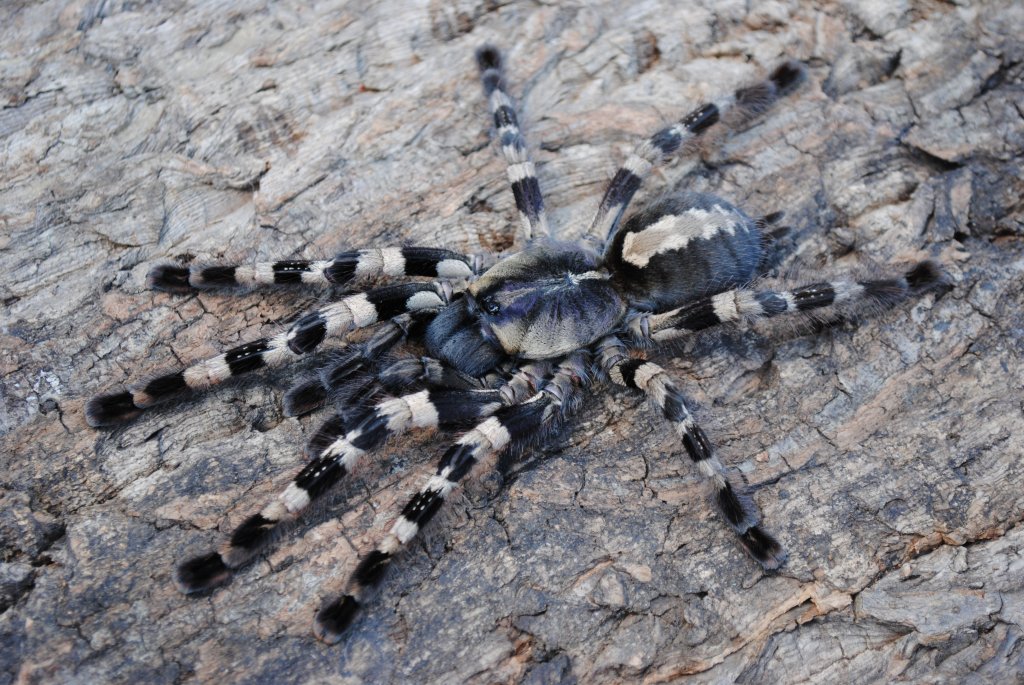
x=541, y=303
x=511, y=349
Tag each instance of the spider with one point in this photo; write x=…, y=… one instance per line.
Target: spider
x=512, y=347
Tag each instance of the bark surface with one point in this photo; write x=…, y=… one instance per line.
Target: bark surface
x=885, y=453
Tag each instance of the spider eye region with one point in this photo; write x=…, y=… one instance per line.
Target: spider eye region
x=489, y=305
x=543, y=303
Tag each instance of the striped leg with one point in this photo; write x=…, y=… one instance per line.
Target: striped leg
x=389, y=418
x=424, y=409
x=738, y=510
x=449, y=386
x=305, y=335
x=509, y=427
x=395, y=262
x=353, y=365
x=653, y=151
x=752, y=305
x=521, y=172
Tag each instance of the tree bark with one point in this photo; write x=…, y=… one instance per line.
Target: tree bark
x=884, y=452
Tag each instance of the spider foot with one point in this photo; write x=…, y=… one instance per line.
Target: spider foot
x=202, y=573
x=252, y=535
x=109, y=410
x=334, y=618
x=764, y=548
x=169, y=278
x=928, y=275
x=787, y=76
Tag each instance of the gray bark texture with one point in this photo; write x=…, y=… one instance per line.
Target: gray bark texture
x=885, y=452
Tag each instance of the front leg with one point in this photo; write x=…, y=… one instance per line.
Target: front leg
x=335, y=320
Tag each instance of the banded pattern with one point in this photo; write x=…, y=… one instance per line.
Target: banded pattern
x=751, y=305
x=509, y=427
x=353, y=366
x=510, y=353
x=406, y=374
x=521, y=172
x=393, y=262
x=666, y=142
x=304, y=336
x=738, y=511
x=683, y=247
x=391, y=417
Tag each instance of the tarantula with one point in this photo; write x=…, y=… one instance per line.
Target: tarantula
x=511, y=348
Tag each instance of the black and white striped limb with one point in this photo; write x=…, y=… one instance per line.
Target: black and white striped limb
x=406, y=376
x=391, y=262
x=457, y=398
x=427, y=409
x=334, y=320
x=749, y=305
x=521, y=173
x=510, y=427
x=421, y=410
x=738, y=510
x=672, y=139
x=350, y=375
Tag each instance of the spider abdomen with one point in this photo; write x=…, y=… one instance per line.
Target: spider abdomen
x=686, y=246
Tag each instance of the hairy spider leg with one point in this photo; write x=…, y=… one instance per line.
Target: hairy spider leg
x=411, y=374
x=351, y=368
x=393, y=262
x=742, y=104
x=736, y=508
x=426, y=409
x=334, y=320
x=511, y=426
x=744, y=304
x=521, y=172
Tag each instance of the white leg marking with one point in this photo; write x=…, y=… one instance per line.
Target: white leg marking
x=392, y=261
x=278, y=352
x=644, y=373
x=363, y=311
x=724, y=306
x=405, y=530
x=424, y=300
x=453, y=269
x=517, y=172
x=494, y=432
x=263, y=273
x=294, y=498
x=206, y=373
x=639, y=165
x=369, y=263
x=398, y=412
x=316, y=275
x=424, y=414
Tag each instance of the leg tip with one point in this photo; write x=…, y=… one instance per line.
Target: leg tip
x=764, y=548
x=488, y=57
x=170, y=278
x=926, y=276
x=200, y=574
x=788, y=76
x=334, y=618
x=253, y=534
x=110, y=410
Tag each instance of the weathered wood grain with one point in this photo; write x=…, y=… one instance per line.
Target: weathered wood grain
x=886, y=453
